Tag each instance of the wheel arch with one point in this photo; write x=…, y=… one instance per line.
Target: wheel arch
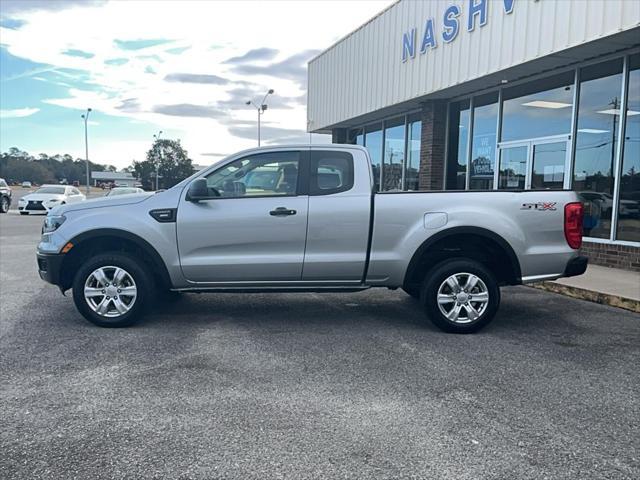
x=110, y=239
x=469, y=242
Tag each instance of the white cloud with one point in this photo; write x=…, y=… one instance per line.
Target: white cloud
x=205, y=35
x=18, y=112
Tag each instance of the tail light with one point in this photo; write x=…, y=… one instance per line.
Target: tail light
x=573, y=213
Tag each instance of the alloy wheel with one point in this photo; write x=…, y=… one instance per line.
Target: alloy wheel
x=110, y=291
x=463, y=298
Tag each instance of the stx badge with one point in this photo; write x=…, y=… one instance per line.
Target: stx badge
x=539, y=206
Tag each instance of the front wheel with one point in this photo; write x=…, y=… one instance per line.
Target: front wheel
x=460, y=296
x=112, y=289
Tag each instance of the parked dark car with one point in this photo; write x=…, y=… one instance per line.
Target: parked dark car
x=5, y=196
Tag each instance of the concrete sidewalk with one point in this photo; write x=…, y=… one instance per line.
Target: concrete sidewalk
x=608, y=286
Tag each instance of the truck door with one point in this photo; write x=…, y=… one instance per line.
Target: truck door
x=255, y=230
x=339, y=216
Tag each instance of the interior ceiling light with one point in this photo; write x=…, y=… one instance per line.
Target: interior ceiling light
x=546, y=104
x=592, y=130
x=616, y=111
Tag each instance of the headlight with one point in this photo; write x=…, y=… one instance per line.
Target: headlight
x=22, y=200
x=52, y=223
x=54, y=200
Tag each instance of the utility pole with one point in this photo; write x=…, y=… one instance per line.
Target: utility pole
x=261, y=109
x=157, y=137
x=85, y=116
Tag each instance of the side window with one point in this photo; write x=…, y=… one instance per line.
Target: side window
x=331, y=172
x=263, y=174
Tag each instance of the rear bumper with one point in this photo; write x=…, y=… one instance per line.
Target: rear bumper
x=576, y=266
x=50, y=267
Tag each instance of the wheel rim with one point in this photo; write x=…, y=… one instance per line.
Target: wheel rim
x=463, y=298
x=5, y=204
x=110, y=291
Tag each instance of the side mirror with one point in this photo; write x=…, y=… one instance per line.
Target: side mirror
x=198, y=190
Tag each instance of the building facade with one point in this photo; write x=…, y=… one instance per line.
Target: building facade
x=119, y=178
x=497, y=94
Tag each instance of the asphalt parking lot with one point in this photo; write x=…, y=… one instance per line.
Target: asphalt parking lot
x=311, y=386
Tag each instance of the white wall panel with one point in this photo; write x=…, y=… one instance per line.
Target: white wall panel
x=364, y=72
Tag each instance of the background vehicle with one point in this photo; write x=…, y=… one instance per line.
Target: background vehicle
x=48, y=197
x=5, y=196
x=305, y=218
x=123, y=191
x=26, y=185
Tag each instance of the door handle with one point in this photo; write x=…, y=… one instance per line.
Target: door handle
x=282, y=212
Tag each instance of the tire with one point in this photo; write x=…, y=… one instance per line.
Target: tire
x=412, y=292
x=101, y=304
x=4, y=204
x=448, y=280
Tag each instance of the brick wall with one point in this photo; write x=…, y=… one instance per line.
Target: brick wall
x=609, y=255
x=433, y=141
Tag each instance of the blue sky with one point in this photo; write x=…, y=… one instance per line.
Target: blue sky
x=186, y=68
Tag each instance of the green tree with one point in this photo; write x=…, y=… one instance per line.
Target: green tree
x=171, y=160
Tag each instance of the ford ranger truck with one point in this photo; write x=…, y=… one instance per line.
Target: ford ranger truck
x=308, y=219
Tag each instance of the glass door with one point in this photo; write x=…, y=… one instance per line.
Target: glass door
x=514, y=159
x=548, y=161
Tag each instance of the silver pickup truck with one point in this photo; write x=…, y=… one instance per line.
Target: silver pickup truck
x=307, y=219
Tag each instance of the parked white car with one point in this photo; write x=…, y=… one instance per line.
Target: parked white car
x=48, y=197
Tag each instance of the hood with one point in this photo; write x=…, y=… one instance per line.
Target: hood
x=103, y=202
x=43, y=197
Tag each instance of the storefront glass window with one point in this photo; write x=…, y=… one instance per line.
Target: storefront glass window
x=356, y=137
x=373, y=142
x=413, y=155
x=629, y=206
x=393, y=154
x=459, y=114
x=513, y=167
x=538, y=109
x=598, y=121
x=483, y=145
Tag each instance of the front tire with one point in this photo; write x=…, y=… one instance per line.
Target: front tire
x=112, y=289
x=460, y=296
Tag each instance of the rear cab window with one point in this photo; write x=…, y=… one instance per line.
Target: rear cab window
x=330, y=172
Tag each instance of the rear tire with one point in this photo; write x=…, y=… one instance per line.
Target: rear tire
x=112, y=289
x=460, y=296
x=4, y=205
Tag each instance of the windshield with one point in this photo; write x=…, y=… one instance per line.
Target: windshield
x=56, y=190
x=122, y=191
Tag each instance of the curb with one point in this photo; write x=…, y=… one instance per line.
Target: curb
x=590, y=295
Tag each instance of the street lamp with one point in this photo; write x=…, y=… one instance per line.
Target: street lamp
x=85, y=116
x=260, y=108
x=157, y=137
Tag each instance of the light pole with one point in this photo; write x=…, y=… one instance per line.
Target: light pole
x=85, y=116
x=260, y=108
x=157, y=137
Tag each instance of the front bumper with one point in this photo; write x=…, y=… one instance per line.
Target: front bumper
x=576, y=266
x=50, y=267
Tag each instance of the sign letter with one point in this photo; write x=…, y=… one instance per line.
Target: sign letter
x=477, y=8
x=508, y=6
x=409, y=45
x=429, y=39
x=451, y=23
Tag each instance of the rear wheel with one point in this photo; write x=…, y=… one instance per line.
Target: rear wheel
x=4, y=205
x=460, y=296
x=112, y=289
